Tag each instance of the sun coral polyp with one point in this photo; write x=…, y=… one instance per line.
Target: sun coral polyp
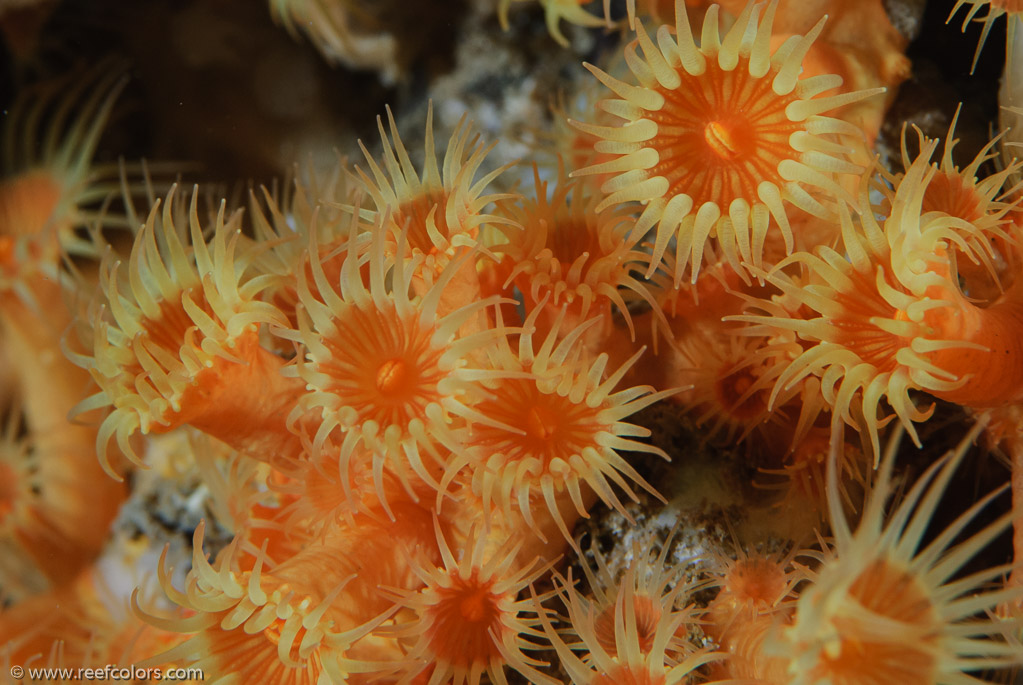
x=891, y=316
x=730, y=378
x=752, y=584
x=251, y=626
x=716, y=138
x=385, y=369
x=440, y=213
x=560, y=250
x=990, y=204
x=802, y=476
x=653, y=587
x=891, y=605
x=45, y=192
x=305, y=223
x=555, y=424
x=638, y=655
x=176, y=337
x=50, y=528
x=756, y=595
x=468, y=618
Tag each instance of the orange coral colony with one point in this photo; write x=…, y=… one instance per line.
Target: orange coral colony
x=398, y=422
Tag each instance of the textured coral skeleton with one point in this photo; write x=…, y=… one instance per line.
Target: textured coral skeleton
x=405, y=385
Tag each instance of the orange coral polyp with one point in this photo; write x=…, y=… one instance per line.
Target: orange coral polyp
x=439, y=213
x=569, y=426
x=297, y=233
x=718, y=137
x=468, y=620
x=648, y=614
x=757, y=581
x=44, y=191
x=629, y=661
x=650, y=585
x=384, y=367
x=890, y=601
x=251, y=626
x=561, y=250
x=730, y=379
x=181, y=322
x=892, y=316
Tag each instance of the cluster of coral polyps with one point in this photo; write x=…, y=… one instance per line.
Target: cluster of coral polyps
x=403, y=386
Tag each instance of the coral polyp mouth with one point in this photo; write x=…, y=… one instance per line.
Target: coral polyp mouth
x=385, y=367
x=721, y=134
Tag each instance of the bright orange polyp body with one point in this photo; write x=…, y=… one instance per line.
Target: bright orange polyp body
x=721, y=134
x=462, y=618
x=993, y=375
x=554, y=427
x=385, y=367
x=221, y=403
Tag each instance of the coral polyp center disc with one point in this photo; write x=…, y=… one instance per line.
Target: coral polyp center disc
x=721, y=134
